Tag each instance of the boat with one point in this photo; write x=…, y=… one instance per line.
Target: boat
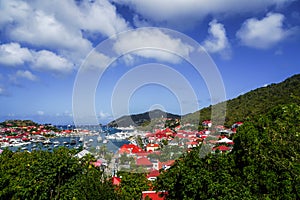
x=56, y=145
x=24, y=148
x=81, y=139
x=65, y=142
x=18, y=144
x=99, y=138
x=5, y=144
x=47, y=142
x=73, y=142
x=110, y=137
x=77, y=147
x=130, y=128
x=56, y=142
x=105, y=141
x=119, y=136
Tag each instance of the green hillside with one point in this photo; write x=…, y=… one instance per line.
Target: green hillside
x=255, y=102
x=140, y=119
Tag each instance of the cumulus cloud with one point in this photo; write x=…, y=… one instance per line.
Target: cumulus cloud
x=150, y=43
x=102, y=17
x=217, y=41
x=26, y=75
x=13, y=54
x=97, y=60
x=14, y=10
x=21, y=75
x=59, y=25
x=40, y=112
x=49, y=61
x=44, y=30
x=191, y=11
x=103, y=115
x=263, y=33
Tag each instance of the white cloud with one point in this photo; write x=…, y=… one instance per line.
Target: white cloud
x=97, y=60
x=21, y=74
x=2, y=91
x=40, y=112
x=143, y=39
x=101, y=16
x=44, y=30
x=263, y=33
x=26, y=74
x=102, y=115
x=191, y=11
x=13, y=10
x=13, y=54
x=138, y=22
x=59, y=25
x=49, y=61
x=217, y=41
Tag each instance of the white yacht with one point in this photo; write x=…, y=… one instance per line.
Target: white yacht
x=47, y=142
x=56, y=142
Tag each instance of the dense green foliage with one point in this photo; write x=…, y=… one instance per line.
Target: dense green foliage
x=255, y=102
x=264, y=163
x=132, y=185
x=141, y=119
x=18, y=123
x=46, y=175
x=24, y=123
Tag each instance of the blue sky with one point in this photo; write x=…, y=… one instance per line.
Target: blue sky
x=45, y=44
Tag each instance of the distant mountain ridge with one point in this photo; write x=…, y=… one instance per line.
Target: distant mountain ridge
x=250, y=104
x=140, y=119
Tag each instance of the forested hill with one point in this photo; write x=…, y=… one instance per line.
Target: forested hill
x=255, y=102
x=17, y=123
x=140, y=119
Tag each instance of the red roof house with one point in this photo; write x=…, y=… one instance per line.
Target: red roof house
x=130, y=148
x=145, y=162
x=153, y=174
x=116, y=181
x=152, y=195
x=152, y=147
x=222, y=148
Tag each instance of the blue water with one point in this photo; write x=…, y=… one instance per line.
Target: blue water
x=112, y=145
x=98, y=128
x=49, y=147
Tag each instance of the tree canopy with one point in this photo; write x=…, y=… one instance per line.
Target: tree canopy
x=253, y=103
x=264, y=163
x=51, y=175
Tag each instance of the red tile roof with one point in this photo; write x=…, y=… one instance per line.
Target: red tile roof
x=152, y=145
x=143, y=162
x=116, y=180
x=153, y=173
x=152, y=195
x=222, y=148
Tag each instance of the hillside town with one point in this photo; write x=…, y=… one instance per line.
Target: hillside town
x=147, y=152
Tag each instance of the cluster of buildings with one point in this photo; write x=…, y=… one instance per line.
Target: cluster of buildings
x=154, y=152
x=23, y=136
x=150, y=158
